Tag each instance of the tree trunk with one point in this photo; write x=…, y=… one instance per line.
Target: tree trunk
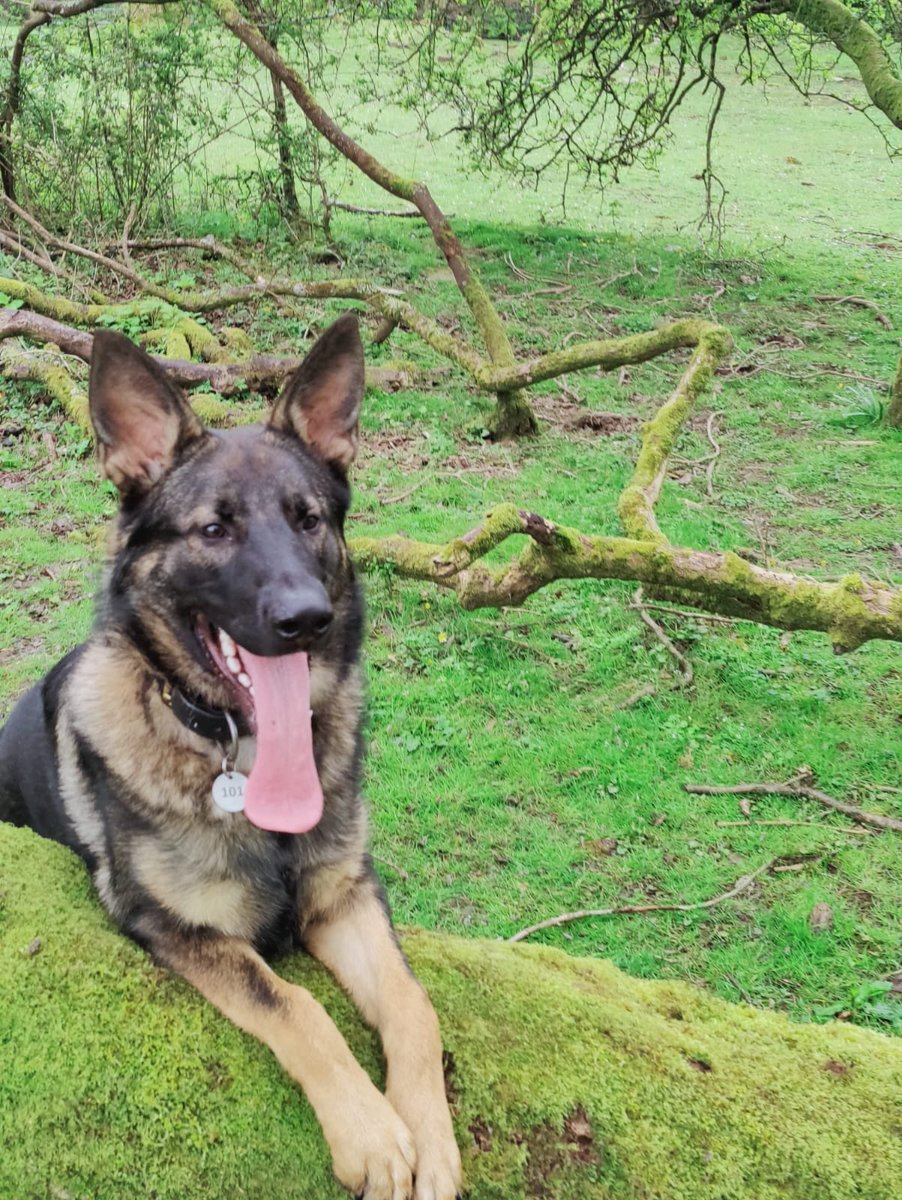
x=11, y=105
x=894, y=411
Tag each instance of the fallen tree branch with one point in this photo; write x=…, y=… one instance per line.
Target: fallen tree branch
x=636, y=506
x=740, y=886
x=796, y=788
x=863, y=832
x=50, y=371
x=851, y=611
x=259, y=372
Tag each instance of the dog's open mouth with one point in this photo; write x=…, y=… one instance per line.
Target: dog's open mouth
x=283, y=791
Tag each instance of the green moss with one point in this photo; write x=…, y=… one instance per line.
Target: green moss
x=571, y=1080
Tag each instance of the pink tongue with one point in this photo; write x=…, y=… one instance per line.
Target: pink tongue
x=283, y=792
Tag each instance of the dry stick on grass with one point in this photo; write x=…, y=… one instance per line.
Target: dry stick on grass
x=712, y=461
x=686, y=672
x=378, y=212
x=741, y=885
x=860, y=302
x=794, y=788
x=863, y=832
x=682, y=612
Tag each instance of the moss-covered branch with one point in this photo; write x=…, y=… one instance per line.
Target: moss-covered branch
x=568, y=1078
x=850, y=611
x=854, y=37
x=637, y=501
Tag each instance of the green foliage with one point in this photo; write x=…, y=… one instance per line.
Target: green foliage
x=867, y=1003
x=860, y=408
x=104, y=127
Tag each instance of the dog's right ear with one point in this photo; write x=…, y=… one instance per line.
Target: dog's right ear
x=141, y=420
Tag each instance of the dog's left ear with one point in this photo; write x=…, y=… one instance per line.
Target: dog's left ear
x=320, y=403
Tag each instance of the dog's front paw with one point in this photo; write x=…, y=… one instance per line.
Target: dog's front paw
x=373, y=1152
x=438, y=1170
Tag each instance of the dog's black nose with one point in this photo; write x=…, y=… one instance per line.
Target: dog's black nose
x=310, y=620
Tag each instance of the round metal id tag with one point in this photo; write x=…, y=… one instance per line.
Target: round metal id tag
x=228, y=791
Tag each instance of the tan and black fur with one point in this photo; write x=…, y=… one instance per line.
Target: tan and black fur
x=242, y=529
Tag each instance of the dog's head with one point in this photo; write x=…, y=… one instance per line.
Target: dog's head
x=231, y=566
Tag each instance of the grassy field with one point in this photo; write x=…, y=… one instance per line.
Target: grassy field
x=507, y=781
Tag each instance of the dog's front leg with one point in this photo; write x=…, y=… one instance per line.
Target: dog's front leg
x=357, y=943
x=373, y=1153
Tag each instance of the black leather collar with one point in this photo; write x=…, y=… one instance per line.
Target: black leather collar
x=201, y=719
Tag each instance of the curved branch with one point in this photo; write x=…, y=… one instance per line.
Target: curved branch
x=259, y=372
x=518, y=417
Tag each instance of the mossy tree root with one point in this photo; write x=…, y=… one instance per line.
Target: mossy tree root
x=850, y=611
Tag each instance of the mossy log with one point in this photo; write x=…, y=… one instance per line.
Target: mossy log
x=569, y=1080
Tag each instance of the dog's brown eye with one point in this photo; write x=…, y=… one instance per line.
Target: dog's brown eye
x=214, y=530
x=310, y=521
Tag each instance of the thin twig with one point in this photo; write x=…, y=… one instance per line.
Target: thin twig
x=644, y=693
x=684, y=612
x=795, y=788
x=741, y=885
x=379, y=212
x=712, y=461
x=686, y=672
x=859, y=302
x=794, y=824
x=402, y=495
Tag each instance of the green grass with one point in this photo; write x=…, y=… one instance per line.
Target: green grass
x=506, y=780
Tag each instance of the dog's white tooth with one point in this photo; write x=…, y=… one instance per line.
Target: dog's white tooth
x=251, y=690
x=244, y=679
x=233, y=664
x=228, y=645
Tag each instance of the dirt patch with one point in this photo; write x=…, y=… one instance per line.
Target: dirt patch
x=836, y=1068
x=474, y=464
x=406, y=449
x=482, y=1135
x=606, y=423
x=549, y=1152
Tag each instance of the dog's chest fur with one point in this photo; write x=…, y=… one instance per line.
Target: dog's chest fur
x=136, y=786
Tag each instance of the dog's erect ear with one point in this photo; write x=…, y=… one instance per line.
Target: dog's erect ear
x=320, y=402
x=141, y=420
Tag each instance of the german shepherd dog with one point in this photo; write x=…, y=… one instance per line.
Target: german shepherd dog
x=225, y=658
